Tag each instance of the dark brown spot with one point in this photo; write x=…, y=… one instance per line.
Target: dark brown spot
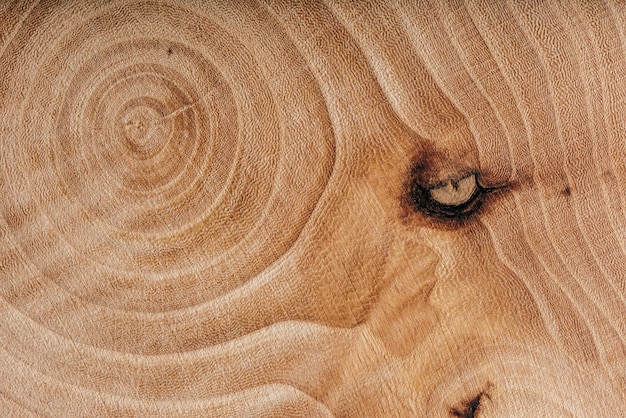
x=567, y=191
x=469, y=408
x=169, y=51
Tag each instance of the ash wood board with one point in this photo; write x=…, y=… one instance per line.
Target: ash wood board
x=347, y=209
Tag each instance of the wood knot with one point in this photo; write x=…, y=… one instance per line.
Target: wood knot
x=454, y=198
x=446, y=191
x=470, y=407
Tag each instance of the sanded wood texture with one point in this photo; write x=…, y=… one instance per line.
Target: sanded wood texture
x=289, y=208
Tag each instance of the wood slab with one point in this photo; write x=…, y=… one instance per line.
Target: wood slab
x=302, y=208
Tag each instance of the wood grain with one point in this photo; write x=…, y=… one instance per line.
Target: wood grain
x=231, y=208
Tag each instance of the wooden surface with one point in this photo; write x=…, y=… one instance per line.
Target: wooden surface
x=376, y=209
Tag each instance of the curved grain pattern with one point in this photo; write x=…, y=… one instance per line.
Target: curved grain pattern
x=206, y=209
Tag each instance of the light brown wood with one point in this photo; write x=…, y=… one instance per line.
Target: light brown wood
x=237, y=209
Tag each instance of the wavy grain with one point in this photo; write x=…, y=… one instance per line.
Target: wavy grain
x=205, y=209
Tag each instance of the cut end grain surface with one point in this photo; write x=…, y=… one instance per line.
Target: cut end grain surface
x=348, y=209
